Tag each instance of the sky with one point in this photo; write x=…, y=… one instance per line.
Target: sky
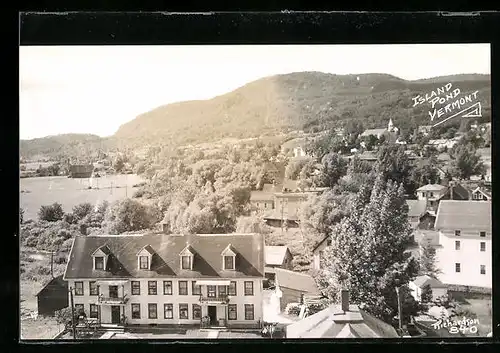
x=95, y=89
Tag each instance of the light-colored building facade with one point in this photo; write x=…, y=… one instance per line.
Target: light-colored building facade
x=464, y=254
x=318, y=252
x=416, y=287
x=168, y=279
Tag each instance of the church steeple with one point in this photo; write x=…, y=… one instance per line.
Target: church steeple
x=390, y=126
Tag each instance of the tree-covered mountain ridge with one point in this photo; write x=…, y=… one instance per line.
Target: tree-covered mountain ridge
x=308, y=101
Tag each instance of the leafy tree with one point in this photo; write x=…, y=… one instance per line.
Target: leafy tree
x=119, y=164
x=252, y=224
x=51, y=213
x=308, y=175
x=466, y=162
x=426, y=295
x=428, y=260
x=295, y=166
x=130, y=215
x=82, y=210
x=320, y=213
x=423, y=173
x=393, y=164
x=368, y=251
x=333, y=167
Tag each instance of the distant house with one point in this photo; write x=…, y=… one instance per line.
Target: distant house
x=378, y=133
x=437, y=287
x=53, y=296
x=318, y=252
x=341, y=321
x=374, y=132
x=261, y=200
x=291, y=286
x=81, y=170
x=424, y=129
x=443, y=143
x=278, y=256
x=418, y=216
x=431, y=194
x=480, y=194
x=295, y=147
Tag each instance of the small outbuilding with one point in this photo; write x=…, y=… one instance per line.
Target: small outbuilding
x=53, y=296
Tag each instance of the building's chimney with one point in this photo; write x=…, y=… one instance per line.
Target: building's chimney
x=344, y=300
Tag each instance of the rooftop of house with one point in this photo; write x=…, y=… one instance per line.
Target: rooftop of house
x=422, y=281
x=432, y=187
x=483, y=191
x=165, y=262
x=278, y=215
x=416, y=208
x=261, y=196
x=463, y=215
x=295, y=280
x=275, y=255
x=56, y=281
x=321, y=242
x=272, y=188
x=332, y=322
x=374, y=132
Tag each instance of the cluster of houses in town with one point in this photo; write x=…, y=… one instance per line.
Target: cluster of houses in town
x=457, y=222
x=236, y=281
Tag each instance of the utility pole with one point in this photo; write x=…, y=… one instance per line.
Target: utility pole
x=73, y=323
x=400, y=317
x=282, y=221
x=52, y=263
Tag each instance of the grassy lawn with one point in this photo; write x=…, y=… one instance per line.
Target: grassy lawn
x=480, y=305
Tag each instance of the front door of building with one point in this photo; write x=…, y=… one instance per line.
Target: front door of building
x=115, y=314
x=113, y=291
x=212, y=313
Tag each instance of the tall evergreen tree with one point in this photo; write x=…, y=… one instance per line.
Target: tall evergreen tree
x=367, y=254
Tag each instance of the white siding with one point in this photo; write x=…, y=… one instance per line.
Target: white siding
x=160, y=299
x=469, y=256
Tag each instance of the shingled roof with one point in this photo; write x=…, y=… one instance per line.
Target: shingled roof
x=122, y=262
x=332, y=322
x=275, y=255
x=463, y=215
x=295, y=280
x=416, y=208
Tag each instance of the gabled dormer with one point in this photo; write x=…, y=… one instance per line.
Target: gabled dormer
x=100, y=258
x=186, y=257
x=229, y=258
x=144, y=258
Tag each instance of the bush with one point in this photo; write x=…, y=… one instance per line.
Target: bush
x=293, y=309
x=51, y=213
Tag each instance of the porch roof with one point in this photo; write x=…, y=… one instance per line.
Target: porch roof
x=213, y=282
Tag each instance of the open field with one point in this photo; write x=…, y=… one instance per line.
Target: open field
x=36, y=192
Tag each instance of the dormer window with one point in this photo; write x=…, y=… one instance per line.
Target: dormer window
x=143, y=262
x=187, y=257
x=228, y=258
x=100, y=258
x=99, y=262
x=229, y=262
x=186, y=262
x=144, y=258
